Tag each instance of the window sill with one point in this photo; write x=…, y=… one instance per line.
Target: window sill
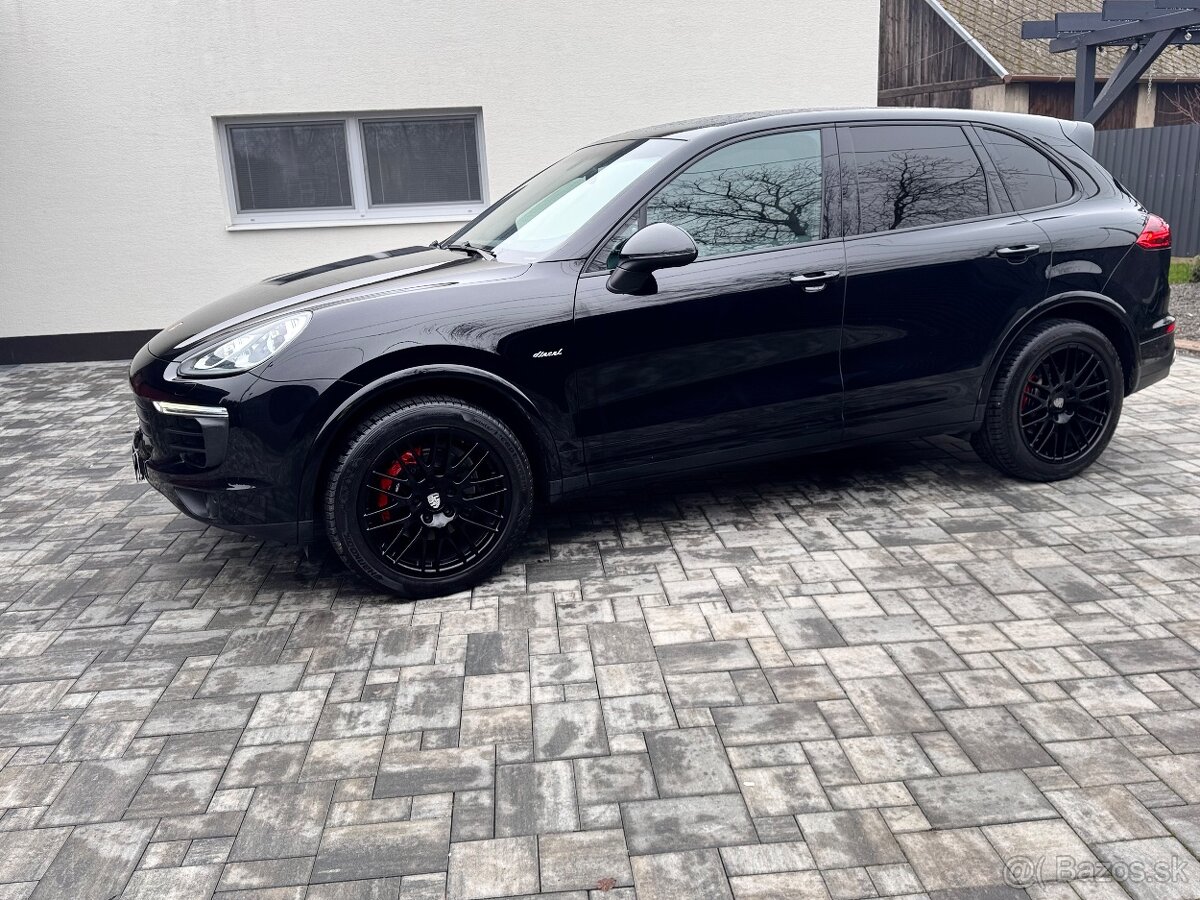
x=342, y=223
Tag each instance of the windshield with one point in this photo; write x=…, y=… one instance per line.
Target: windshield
x=553, y=205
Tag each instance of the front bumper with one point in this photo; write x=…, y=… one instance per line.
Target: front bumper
x=202, y=447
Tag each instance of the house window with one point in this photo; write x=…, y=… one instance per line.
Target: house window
x=349, y=169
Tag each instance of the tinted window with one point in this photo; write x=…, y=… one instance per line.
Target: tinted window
x=759, y=193
x=421, y=160
x=916, y=175
x=1029, y=177
x=290, y=166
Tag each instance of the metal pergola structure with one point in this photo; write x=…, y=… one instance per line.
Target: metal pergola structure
x=1145, y=27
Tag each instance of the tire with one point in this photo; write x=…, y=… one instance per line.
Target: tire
x=1055, y=403
x=412, y=508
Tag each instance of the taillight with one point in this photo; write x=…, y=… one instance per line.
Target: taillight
x=1156, y=235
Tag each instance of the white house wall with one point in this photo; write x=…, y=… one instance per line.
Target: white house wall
x=113, y=212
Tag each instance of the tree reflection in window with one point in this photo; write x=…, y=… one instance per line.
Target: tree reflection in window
x=759, y=193
x=916, y=175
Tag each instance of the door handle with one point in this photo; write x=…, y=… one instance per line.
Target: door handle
x=814, y=281
x=1019, y=252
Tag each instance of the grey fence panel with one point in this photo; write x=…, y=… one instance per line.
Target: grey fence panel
x=1161, y=166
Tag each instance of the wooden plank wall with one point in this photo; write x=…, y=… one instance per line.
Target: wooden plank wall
x=917, y=48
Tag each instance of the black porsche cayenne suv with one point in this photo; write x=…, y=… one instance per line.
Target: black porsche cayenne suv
x=674, y=298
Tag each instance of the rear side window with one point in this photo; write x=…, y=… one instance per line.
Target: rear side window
x=910, y=175
x=1032, y=180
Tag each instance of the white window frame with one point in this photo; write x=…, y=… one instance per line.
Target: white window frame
x=362, y=212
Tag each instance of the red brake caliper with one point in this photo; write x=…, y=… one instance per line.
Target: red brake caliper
x=408, y=459
x=1027, y=394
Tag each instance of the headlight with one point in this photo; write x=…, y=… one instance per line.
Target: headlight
x=247, y=349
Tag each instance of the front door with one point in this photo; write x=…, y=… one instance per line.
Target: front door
x=937, y=267
x=735, y=355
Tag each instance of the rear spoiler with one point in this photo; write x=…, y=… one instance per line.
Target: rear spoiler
x=1081, y=134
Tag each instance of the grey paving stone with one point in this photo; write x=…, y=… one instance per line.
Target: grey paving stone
x=781, y=790
x=770, y=723
x=95, y=862
x=35, y=727
x=620, y=642
x=425, y=703
x=562, y=730
x=954, y=859
x=434, y=771
x=535, y=798
x=283, y=820
x=358, y=852
x=690, y=823
x=890, y=704
x=1151, y=655
x=709, y=656
x=409, y=646
x=672, y=876
x=175, y=794
x=962, y=800
x=1179, y=731
x=188, y=716
x=993, y=739
x=267, y=764
x=183, y=883
x=25, y=855
x=849, y=838
x=1057, y=720
x=611, y=779
x=1153, y=869
x=584, y=860
x=491, y=652
x=1102, y=761
x=1108, y=813
x=690, y=761
x=97, y=792
x=504, y=867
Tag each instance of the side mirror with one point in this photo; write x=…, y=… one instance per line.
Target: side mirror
x=658, y=246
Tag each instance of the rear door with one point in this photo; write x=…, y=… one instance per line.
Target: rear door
x=937, y=265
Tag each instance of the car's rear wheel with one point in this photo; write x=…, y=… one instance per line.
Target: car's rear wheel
x=428, y=497
x=1055, y=403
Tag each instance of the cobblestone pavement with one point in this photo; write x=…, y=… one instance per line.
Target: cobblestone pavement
x=883, y=673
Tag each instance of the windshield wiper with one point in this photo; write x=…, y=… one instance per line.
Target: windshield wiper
x=467, y=247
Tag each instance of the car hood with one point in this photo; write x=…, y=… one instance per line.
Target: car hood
x=415, y=267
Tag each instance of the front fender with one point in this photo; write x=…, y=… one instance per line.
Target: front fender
x=349, y=401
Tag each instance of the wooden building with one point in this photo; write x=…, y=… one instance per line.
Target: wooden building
x=968, y=54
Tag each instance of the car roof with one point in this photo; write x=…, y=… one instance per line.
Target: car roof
x=732, y=124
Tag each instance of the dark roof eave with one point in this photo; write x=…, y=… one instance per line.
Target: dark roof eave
x=1045, y=79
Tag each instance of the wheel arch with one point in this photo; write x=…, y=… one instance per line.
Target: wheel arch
x=485, y=389
x=1101, y=312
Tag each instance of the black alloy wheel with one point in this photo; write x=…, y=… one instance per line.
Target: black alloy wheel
x=429, y=496
x=1066, y=404
x=435, y=501
x=1055, y=402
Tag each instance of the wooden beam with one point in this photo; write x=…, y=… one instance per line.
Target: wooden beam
x=1185, y=18
x=1137, y=60
x=964, y=84
x=1085, y=81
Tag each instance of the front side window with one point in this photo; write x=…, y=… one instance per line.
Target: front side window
x=911, y=175
x=761, y=193
x=1032, y=180
x=340, y=169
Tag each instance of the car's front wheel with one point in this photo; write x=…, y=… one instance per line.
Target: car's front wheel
x=428, y=496
x=1055, y=403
